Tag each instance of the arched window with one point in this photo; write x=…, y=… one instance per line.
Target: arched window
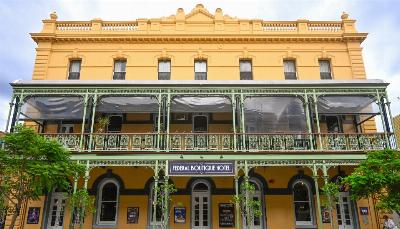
x=157, y=222
x=201, y=205
x=107, y=205
x=303, y=207
x=258, y=222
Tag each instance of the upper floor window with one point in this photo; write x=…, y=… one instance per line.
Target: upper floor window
x=200, y=70
x=289, y=67
x=325, y=69
x=246, y=72
x=303, y=208
x=108, y=202
x=74, y=69
x=119, y=69
x=164, y=70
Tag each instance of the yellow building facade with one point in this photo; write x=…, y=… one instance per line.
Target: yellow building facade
x=205, y=101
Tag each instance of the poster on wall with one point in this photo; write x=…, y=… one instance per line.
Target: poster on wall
x=326, y=216
x=226, y=215
x=180, y=215
x=33, y=215
x=132, y=216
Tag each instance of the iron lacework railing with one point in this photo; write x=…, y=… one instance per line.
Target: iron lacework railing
x=223, y=142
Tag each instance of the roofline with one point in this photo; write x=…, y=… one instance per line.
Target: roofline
x=201, y=83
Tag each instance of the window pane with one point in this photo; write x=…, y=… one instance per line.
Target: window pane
x=300, y=192
x=289, y=66
x=108, y=211
x=164, y=66
x=324, y=66
x=109, y=192
x=200, y=66
x=302, y=211
x=75, y=66
x=245, y=66
x=200, y=187
x=120, y=66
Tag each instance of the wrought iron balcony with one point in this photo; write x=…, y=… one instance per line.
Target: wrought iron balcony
x=224, y=142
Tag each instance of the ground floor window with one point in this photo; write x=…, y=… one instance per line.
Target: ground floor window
x=107, y=209
x=201, y=205
x=303, y=207
x=158, y=214
x=57, y=210
x=258, y=222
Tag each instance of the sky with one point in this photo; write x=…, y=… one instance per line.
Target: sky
x=379, y=18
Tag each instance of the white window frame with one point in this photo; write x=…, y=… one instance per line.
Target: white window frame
x=260, y=194
x=285, y=61
x=208, y=194
x=99, y=201
x=305, y=224
x=150, y=224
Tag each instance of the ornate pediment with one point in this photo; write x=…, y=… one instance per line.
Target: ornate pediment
x=199, y=14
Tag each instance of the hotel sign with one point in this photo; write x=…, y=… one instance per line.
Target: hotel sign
x=201, y=168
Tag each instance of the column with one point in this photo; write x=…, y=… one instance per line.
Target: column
x=326, y=181
x=166, y=202
x=394, y=146
x=85, y=103
x=17, y=110
x=307, y=110
x=382, y=118
x=237, y=205
x=168, y=117
x=233, y=100
x=9, y=113
x=317, y=118
x=242, y=123
x=72, y=211
x=85, y=184
x=159, y=122
x=92, y=121
x=315, y=177
x=154, y=220
x=247, y=197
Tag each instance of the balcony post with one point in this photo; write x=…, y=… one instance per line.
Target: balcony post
x=391, y=119
x=154, y=220
x=233, y=100
x=9, y=113
x=247, y=197
x=92, y=122
x=315, y=177
x=326, y=178
x=382, y=118
x=168, y=118
x=159, y=121
x=237, y=206
x=85, y=103
x=317, y=118
x=242, y=123
x=166, y=199
x=307, y=110
x=72, y=211
x=85, y=184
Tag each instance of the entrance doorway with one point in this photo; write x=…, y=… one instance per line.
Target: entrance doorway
x=256, y=196
x=201, y=206
x=57, y=208
x=344, y=213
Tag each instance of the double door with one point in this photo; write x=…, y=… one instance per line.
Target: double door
x=345, y=218
x=201, y=210
x=57, y=210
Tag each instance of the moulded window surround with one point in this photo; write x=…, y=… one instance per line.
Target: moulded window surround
x=158, y=222
x=119, y=69
x=107, y=203
x=303, y=204
x=325, y=69
x=246, y=70
x=74, y=69
x=164, y=69
x=200, y=69
x=289, y=68
x=201, y=205
x=259, y=222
